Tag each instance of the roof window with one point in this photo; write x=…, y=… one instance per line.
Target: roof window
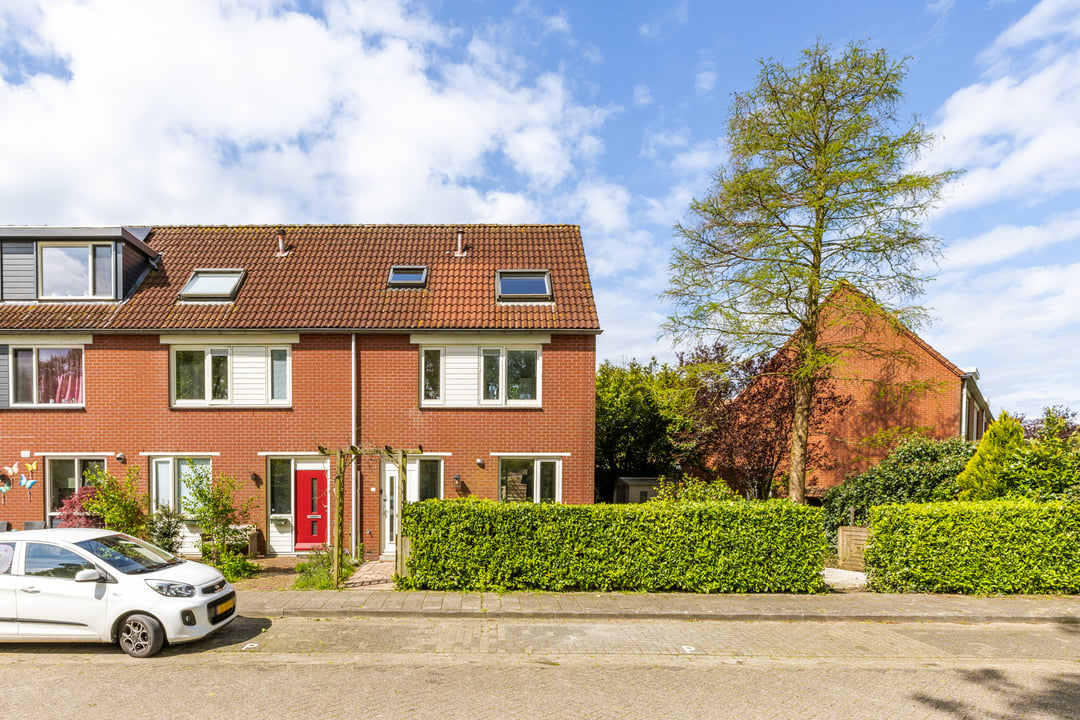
x=523, y=286
x=407, y=276
x=218, y=285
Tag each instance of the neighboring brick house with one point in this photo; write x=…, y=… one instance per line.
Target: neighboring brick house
x=889, y=382
x=243, y=349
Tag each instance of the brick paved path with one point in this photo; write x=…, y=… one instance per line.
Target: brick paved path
x=465, y=668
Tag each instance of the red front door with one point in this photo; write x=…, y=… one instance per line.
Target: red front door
x=311, y=509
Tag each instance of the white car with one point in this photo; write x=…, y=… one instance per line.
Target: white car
x=71, y=584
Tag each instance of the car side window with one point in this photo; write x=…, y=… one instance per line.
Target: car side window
x=7, y=554
x=45, y=560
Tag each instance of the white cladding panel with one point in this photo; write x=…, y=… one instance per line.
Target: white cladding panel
x=461, y=375
x=249, y=375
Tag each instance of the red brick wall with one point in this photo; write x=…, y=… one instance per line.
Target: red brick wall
x=390, y=415
x=127, y=411
x=900, y=385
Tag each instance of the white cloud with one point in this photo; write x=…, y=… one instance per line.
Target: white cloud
x=1004, y=242
x=274, y=115
x=675, y=16
x=704, y=82
x=642, y=95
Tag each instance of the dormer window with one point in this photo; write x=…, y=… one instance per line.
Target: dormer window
x=523, y=286
x=70, y=271
x=407, y=276
x=213, y=285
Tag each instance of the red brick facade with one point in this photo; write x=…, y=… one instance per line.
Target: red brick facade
x=127, y=413
x=900, y=385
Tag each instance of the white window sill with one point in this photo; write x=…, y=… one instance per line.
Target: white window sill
x=229, y=406
x=46, y=406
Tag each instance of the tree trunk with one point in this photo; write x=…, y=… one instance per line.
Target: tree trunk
x=800, y=439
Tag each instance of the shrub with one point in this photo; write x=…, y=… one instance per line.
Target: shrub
x=316, y=573
x=470, y=544
x=73, y=511
x=235, y=566
x=975, y=547
x=163, y=529
x=118, y=503
x=919, y=470
x=692, y=489
x=212, y=504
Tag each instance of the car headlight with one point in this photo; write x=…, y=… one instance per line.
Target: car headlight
x=171, y=589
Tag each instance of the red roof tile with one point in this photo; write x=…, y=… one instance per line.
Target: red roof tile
x=335, y=277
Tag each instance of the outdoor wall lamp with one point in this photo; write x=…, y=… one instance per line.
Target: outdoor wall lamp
x=479, y=462
x=457, y=481
x=121, y=458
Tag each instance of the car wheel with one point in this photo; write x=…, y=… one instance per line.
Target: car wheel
x=141, y=636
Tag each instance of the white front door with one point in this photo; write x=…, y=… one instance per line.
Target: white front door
x=388, y=512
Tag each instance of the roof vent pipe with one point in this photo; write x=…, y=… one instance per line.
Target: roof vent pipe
x=460, y=252
x=281, y=251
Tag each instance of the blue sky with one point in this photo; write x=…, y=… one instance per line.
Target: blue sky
x=608, y=115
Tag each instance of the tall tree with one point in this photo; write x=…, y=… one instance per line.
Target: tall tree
x=818, y=195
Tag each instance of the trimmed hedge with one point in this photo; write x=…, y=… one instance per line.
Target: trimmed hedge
x=975, y=547
x=731, y=547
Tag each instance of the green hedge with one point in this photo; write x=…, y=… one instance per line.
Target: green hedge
x=698, y=547
x=975, y=547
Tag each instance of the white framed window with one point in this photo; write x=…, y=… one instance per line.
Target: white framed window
x=169, y=479
x=75, y=271
x=65, y=475
x=407, y=276
x=480, y=375
x=231, y=375
x=510, y=376
x=530, y=479
x=281, y=471
x=431, y=376
x=46, y=375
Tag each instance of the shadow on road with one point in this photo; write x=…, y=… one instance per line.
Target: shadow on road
x=239, y=632
x=1055, y=697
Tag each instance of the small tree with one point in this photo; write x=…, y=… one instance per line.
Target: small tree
x=163, y=529
x=984, y=477
x=212, y=504
x=819, y=194
x=119, y=504
x=73, y=512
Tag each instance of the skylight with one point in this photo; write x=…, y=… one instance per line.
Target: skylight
x=407, y=276
x=212, y=284
x=524, y=286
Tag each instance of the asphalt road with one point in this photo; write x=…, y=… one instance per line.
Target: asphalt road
x=468, y=668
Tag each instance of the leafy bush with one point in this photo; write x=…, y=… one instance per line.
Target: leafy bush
x=470, y=544
x=1046, y=467
x=73, y=512
x=212, y=504
x=975, y=547
x=919, y=470
x=692, y=489
x=235, y=566
x=163, y=529
x=316, y=573
x=118, y=503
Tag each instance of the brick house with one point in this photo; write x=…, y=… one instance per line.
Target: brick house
x=887, y=382
x=243, y=349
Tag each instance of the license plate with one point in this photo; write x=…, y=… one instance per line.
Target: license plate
x=225, y=606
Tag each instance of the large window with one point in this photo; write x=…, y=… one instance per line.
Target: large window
x=523, y=286
x=471, y=375
x=63, y=476
x=75, y=271
x=231, y=375
x=509, y=375
x=281, y=486
x=46, y=376
x=529, y=480
x=170, y=479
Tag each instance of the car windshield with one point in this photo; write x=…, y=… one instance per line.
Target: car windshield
x=128, y=555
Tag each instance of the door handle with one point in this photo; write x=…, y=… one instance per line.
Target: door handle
x=32, y=590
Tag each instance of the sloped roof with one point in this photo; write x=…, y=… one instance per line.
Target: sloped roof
x=335, y=277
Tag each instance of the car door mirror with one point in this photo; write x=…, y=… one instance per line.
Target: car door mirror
x=88, y=575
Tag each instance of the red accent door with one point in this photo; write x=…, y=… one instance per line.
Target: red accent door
x=311, y=509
